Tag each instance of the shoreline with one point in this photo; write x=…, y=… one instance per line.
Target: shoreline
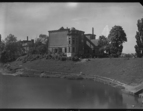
x=18, y=73
x=70, y=76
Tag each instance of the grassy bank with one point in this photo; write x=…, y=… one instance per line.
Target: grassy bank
x=128, y=71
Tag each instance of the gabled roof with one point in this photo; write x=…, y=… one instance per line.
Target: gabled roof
x=61, y=29
x=95, y=42
x=65, y=29
x=89, y=34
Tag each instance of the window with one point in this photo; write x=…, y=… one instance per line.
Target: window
x=73, y=49
x=69, y=40
x=69, y=49
x=65, y=49
x=73, y=41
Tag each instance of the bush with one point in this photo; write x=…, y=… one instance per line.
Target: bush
x=63, y=58
x=75, y=58
x=69, y=58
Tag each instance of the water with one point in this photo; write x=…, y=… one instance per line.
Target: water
x=24, y=92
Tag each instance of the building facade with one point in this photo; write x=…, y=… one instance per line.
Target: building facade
x=71, y=42
x=91, y=44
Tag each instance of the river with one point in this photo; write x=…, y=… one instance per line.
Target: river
x=33, y=92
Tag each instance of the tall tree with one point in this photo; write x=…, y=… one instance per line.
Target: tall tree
x=139, y=39
x=116, y=37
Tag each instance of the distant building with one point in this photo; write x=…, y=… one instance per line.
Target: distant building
x=72, y=42
x=27, y=44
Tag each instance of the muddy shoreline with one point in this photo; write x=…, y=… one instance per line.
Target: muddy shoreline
x=26, y=72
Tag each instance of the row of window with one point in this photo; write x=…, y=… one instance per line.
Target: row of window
x=73, y=49
x=65, y=50
x=73, y=41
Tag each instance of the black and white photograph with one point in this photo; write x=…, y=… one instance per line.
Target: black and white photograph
x=71, y=55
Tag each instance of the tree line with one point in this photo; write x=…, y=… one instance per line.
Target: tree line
x=11, y=48
x=111, y=46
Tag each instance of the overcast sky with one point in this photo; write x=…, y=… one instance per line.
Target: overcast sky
x=32, y=19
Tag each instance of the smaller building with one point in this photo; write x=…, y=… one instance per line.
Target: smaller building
x=91, y=44
x=27, y=44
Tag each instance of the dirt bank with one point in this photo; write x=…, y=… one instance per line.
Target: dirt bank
x=121, y=69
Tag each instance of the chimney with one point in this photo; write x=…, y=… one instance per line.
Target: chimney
x=32, y=40
x=0, y=38
x=27, y=38
x=92, y=31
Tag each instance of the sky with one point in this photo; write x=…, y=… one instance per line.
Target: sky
x=32, y=19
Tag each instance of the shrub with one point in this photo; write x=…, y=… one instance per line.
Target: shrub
x=69, y=58
x=63, y=58
x=75, y=58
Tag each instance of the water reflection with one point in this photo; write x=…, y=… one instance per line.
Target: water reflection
x=95, y=95
x=18, y=92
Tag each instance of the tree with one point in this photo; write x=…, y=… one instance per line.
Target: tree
x=43, y=38
x=10, y=39
x=41, y=45
x=2, y=45
x=11, y=49
x=116, y=37
x=103, y=44
x=139, y=39
x=102, y=41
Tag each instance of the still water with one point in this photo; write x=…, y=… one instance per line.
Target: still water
x=28, y=92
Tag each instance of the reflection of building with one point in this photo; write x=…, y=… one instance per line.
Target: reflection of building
x=27, y=44
x=72, y=42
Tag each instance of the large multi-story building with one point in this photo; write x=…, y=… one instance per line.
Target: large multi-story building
x=72, y=42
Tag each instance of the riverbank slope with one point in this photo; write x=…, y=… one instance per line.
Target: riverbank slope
x=128, y=71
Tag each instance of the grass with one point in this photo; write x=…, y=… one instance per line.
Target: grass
x=121, y=69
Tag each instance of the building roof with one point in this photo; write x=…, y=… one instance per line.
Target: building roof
x=95, y=42
x=65, y=29
x=61, y=29
x=89, y=34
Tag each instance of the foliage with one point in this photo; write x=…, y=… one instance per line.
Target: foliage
x=103, y=41
x=139, y=38
x=40, y=45
x=116, y=37
x=2, y=45
x=43, y=38
x=10, y=39
x=103, y=45
x=11, y=49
